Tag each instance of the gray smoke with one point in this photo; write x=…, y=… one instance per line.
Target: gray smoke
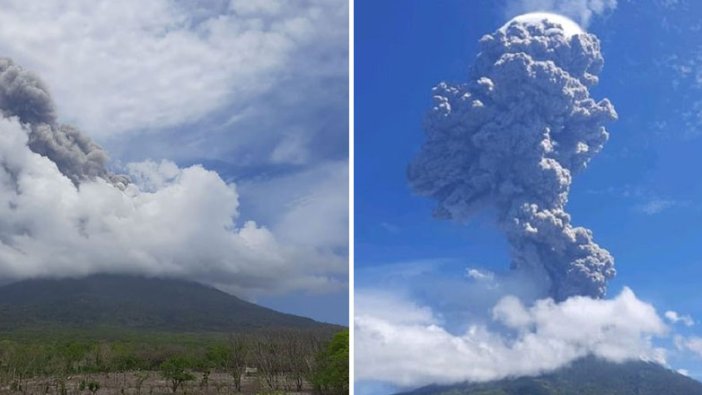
x=511, y=138
x=24, y=95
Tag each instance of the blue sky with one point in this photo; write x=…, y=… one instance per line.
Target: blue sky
x=254, y=91
x=641, y=196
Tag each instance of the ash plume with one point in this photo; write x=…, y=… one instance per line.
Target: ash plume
x=24, y=95
x=512, y=137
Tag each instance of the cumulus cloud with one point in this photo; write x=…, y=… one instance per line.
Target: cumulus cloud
x=122, y=69
x=392, y=333
x=317, y=197
x=168, y=222
x=580, y=10
x=512, y=138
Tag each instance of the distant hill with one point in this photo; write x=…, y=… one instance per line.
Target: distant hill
x=588, y=376
x=129, y=302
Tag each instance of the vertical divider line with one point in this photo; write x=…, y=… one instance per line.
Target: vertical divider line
x=351, y=198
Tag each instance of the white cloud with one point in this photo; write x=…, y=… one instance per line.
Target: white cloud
x=415, y=349
x=480, y=275
x=656, y=206
x=691, y=343
x=291, y=149
x=674, y=318
x=309, y=207
x=581, y=11
x=171, y=221
x=393, y=308
x=122, y=66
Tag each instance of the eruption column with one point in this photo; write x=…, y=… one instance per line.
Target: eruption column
x=512, y=138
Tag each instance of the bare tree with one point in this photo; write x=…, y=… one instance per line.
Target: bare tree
x=294, y=347
x=238, y=358
x=266, y=353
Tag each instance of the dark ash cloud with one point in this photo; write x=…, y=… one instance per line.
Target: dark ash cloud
x=512, y=138
x=25, y=96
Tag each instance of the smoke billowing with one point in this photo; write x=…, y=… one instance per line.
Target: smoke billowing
x=24, y=95
x=63, y=214
x=512, y=138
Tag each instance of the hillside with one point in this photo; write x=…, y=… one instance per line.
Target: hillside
x=129, y=302
x=588, y=376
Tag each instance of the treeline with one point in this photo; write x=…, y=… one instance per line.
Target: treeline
x=280, y=359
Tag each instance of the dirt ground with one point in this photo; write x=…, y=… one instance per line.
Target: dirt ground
x=144, y=383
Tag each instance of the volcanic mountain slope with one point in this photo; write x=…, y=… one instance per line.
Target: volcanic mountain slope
x=587, y=376
x=129, y=302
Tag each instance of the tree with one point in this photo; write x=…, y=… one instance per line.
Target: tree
x=299, y=351
x=237, y=358
x=173, y=369
x=217, y=357
x=331, y=374
x=313, y=348
x=266, y=352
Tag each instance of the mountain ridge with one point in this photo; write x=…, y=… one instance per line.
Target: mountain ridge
x=586, y=376
x=135, y=302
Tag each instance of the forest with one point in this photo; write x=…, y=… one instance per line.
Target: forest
x=262, y=361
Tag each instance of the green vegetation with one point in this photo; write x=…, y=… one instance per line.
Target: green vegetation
x=277, y=360
x=333, y=373
x=588, y=376
x=140, y=335
x=174, y=369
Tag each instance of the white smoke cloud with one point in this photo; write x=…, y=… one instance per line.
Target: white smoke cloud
x=403, y=343
x=168, y=222
x=581, y=11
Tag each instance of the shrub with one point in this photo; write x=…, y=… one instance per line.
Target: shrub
x=174, y=369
